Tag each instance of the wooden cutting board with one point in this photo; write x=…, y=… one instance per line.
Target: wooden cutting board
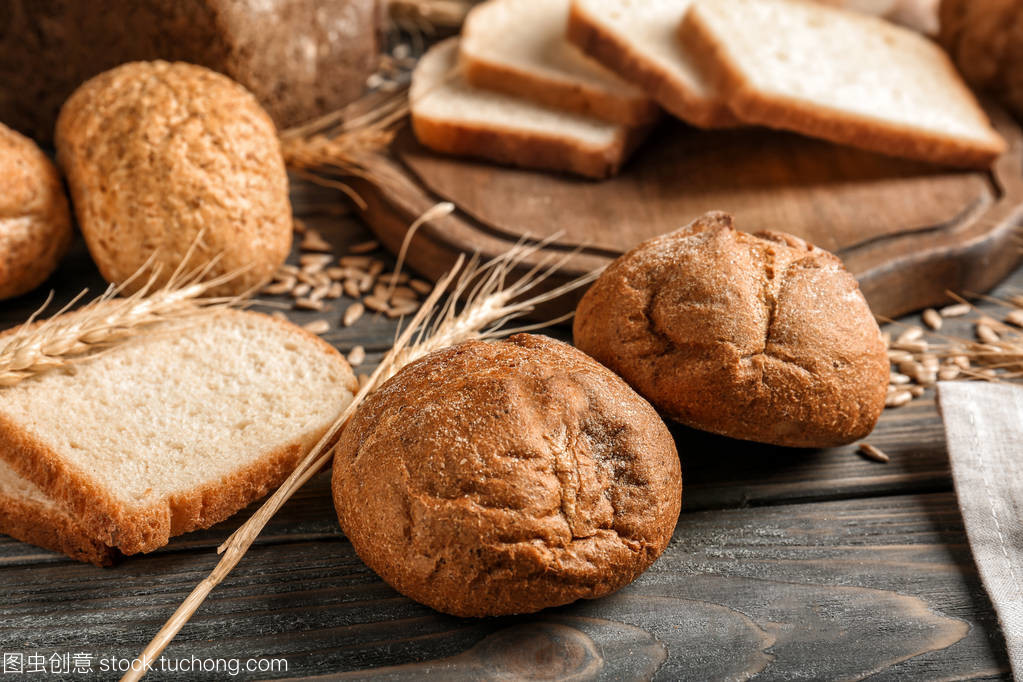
x=909, y=231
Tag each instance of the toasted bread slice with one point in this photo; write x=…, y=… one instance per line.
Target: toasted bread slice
x=453, y=117
x=519, y=47
x=637, y=40
x=841, y=76
x=27, y=514
x=173, y=430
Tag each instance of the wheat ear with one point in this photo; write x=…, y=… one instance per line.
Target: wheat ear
x=487, y=305
x=69, y=337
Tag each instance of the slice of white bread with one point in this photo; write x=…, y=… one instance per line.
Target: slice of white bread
x=841, y=76
x=637, y=40
x=27, y=514
x=173, y=430
x=519, y=47
x=451, y=116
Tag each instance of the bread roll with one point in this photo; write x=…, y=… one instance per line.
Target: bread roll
x=754, y=336
x=35, y=225
x=157, y=153
x=500, y=478
x=300, y=58
x=985, y=39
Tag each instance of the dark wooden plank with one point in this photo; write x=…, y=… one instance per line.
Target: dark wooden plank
x=836, y=590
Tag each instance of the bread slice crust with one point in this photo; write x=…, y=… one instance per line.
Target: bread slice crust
x=799, y=115
x=628, y=106
x=107, y=520
x=504, y=142
x=38, y=525
x=619, y=56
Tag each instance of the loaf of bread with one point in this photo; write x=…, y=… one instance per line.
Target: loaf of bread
x=760, y=337
x=839, y=75
x=519, y=47
x=35, y=224
x=985, y=39
x=300, y=58
x=173, y=430
x=502, y=478
x=158, y=153
x=453, y=117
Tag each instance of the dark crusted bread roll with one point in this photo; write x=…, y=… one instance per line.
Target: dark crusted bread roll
x=760, y=337
x=985, y=39
x=500, y=478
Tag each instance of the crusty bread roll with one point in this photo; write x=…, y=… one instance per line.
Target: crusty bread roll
x=35, y=224
x=760, y=337
x=500, y=478
x=985, y=39
x=156, y=153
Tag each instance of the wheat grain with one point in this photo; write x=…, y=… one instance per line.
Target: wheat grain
x=873, y=453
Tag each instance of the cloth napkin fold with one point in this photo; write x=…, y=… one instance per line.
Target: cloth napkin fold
x=984, y=429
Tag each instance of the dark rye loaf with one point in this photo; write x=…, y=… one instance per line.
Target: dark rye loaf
x=300, y=58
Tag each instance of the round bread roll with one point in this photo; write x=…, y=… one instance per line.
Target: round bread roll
x=499, y=478
x=759, y=337
x=156, y=153
x=35, y=224
x=985, y=39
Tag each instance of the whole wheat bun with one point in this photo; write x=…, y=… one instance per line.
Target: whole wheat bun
x=501, y=478
x=35, y=224
x=157, y=152
x=761, y=337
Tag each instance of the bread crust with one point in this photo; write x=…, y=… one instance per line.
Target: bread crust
x=760, y=337
x=44, y=527
x=527, y=150
x=107, y=520
x=156, y=154
x=566, y=94
x=489, y=479
x=775, y=111
x=35, y=223
x=603, y=46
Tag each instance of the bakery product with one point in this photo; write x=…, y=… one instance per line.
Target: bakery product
x=754, y=336
x=301, y=58
x=35, y=224
x=450, y=116
x=637, y=40
x=499, y=478
x=985, y=39
x=788, y=64
x=175, y=429
x=27, y=514
x=155, y=154
x=519, y=47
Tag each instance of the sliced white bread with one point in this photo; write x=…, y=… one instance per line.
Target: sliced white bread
x=637, y=40
x=173, y=430
x=519, y=47
x=27, y=514
x=841, y=76
x=453, y=117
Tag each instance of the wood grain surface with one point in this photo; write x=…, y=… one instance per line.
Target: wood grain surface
x=785, y=565
x=908, y=231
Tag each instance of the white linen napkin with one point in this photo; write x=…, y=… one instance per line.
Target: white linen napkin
x=984, y=430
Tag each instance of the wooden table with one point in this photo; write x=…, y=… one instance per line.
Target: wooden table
x=788, y=564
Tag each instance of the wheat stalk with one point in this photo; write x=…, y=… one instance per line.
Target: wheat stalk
x=479, y=305
x=69, y=337
x=341, y=142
